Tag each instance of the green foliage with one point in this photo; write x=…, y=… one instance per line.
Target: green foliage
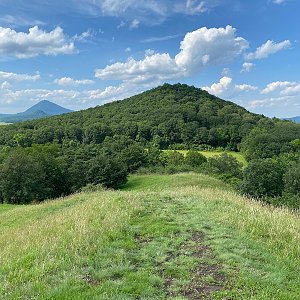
x=271, y=138
x=225, y=166
x=22, y=179
x=262, y=178
x=194, y=159
x=108, y=171
x=167, y=115
x=292, y=179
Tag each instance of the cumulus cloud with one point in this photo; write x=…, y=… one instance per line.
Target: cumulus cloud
x=267, y=49
x=156, y=66
x=8, y=76
x=64, y=81
x=273, y=86
x=226, y=87
x=209, y=46
x=220, y=87
x=247, y=67
x=35, y=42
x=199, y=49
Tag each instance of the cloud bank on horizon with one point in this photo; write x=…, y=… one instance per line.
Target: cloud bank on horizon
x=85, y=53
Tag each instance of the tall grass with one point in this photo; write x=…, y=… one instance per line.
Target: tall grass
x=118, y=244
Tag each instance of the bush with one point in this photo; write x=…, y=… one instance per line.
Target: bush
x=194, y=159
x=262, y=178
x=108, y=171
x=291, y=201
x=224, y=165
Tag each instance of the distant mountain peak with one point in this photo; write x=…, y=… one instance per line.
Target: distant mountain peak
x=48, y=107
x=44, y=108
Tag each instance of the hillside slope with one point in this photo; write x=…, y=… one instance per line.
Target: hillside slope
x=167, y=115
x=186, y=236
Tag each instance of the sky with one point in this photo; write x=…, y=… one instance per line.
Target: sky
x=84, y=53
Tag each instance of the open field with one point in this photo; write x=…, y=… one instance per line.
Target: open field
x=239, y=156
x=2, y=123
x=182, y=236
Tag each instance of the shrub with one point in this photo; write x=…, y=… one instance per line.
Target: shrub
x=224, y=165
x=108, y=171
x=262, y=178
x=194, y=159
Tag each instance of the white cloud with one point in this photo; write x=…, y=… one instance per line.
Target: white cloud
x=200, y=48
x=35, y=42
x=149, y=52
x=134, y=24
x=269, y=102
x=128, y=49
x=279, y=1
x=156, y=66
x=225, y=72
x=150, y=12
x=246, y=87
x=292, y=90
x=160, y=38
x=70, y=81
x=194, y=7
x=225, y=87
x=247, y=67
x=209, y=46
x=15, y=21
x=273, y=86
x=8, y=76
x=268, y=48
x=219, y=88
x=85, y=36
x=5, y=85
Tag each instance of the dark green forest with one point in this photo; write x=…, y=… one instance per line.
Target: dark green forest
x=55, y=156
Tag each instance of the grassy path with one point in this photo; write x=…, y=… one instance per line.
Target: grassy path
x=180, y=236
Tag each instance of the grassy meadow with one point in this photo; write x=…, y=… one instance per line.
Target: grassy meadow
x=183, y=236
x=238, y=155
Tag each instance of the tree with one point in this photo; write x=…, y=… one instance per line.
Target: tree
x=106, y=170
x=262, y=177
x=292, y=179
x=21, y=179
x=194, y=159
x=225, y=165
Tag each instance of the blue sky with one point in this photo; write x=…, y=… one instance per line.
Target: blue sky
x=85, y=53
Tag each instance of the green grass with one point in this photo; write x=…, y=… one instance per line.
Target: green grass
x=2, y=123
x=238, y=155
x=128, y=244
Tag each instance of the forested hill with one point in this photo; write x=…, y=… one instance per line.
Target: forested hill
x=166, y=115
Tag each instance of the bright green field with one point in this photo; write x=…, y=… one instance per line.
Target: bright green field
x=143, y=243
x=239, y=156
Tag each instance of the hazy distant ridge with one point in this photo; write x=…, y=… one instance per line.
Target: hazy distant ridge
x=42, y=109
